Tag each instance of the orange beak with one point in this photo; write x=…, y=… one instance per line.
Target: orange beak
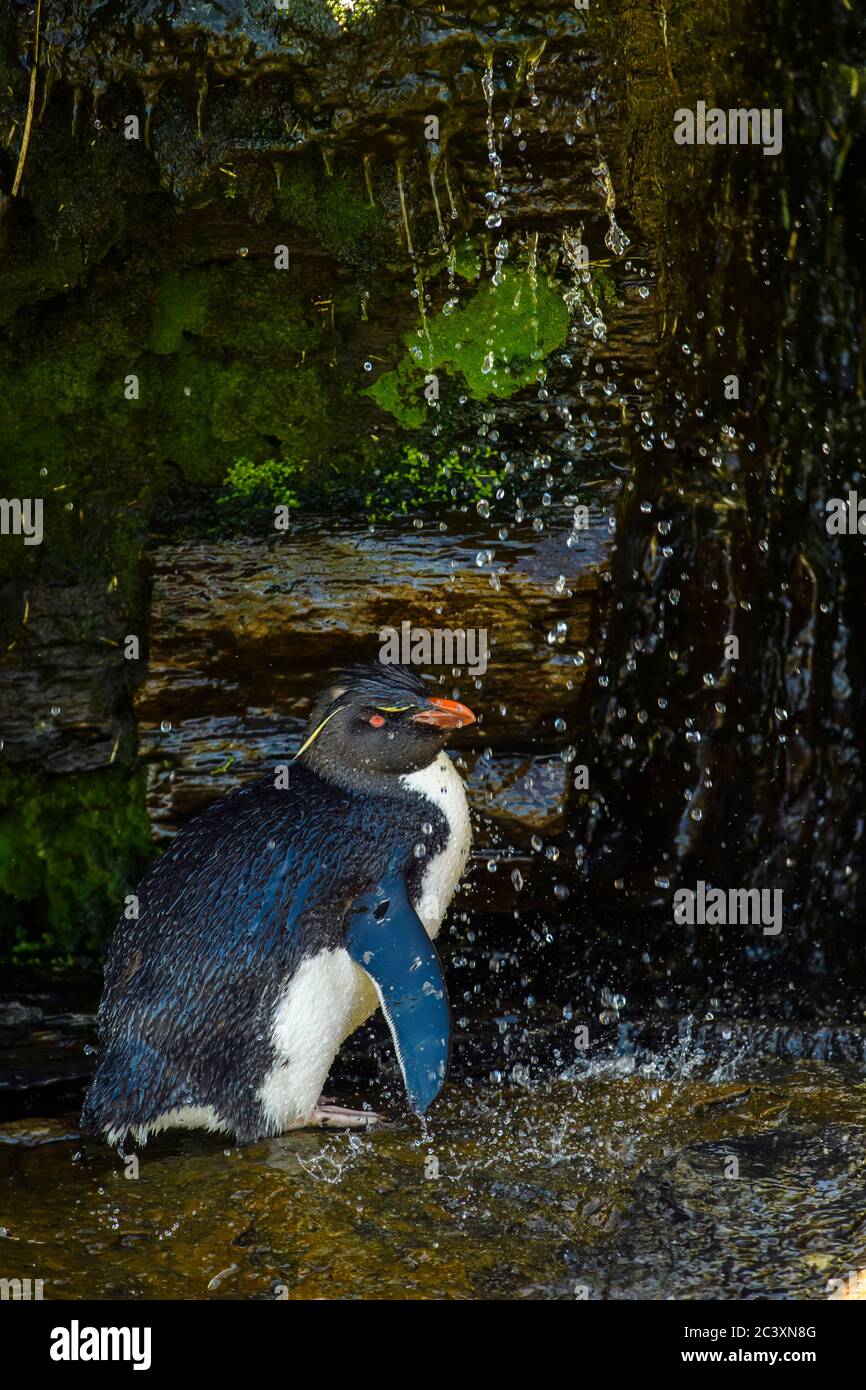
x=445, y=714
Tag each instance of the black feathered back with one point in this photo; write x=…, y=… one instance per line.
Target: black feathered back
x=243, y=894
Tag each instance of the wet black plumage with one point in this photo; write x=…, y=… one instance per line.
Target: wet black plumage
x=243, y=894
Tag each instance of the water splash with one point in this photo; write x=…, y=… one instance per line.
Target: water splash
x=580, y=295
x=615, y=238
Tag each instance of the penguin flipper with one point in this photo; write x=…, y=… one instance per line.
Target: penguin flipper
x=385, y=936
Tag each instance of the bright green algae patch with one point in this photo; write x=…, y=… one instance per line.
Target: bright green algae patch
x=403, y=481
x=496, y=343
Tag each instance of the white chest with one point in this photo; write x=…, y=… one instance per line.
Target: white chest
x=330, y=995
x=441, y=784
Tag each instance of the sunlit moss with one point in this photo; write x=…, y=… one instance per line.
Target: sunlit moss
x=274, y=479
x=386, y=482
x=417, y=480
x=497, y=344
x=347, y=12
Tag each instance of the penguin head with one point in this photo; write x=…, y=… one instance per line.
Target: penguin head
x=378, y=720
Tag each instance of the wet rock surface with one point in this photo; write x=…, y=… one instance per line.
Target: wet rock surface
x=665, y=1158
x=243, y=635
x=64, y=690
x=47, y=1040
x=247, y=632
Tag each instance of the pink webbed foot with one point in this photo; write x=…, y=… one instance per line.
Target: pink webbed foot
x=329, y=1115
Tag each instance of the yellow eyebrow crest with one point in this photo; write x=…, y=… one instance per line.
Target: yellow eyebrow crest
x=393, y=709
x=316, y=732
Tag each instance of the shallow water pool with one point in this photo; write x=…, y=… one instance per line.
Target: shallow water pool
x=680, y=1177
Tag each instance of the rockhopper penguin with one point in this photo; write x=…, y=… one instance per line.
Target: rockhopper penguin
x=278, y=921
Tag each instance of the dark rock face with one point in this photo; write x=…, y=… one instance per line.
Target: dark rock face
x=64, y=695
x=48, y=1054
x=753, y=765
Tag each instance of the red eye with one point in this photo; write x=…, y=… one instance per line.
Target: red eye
x=377, y=720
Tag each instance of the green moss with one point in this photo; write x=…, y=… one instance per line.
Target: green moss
x=496, y=344
x=466, y=260
x=233, y=361
x=71, y=848
x=334, y=209
x=274, y=479
x=400, y=394
x=603, y=287
x=263, y=314
x=386, y=482
x=416, y=481
x=181, y=306
x=77, y=202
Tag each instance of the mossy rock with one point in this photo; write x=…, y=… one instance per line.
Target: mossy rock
x=334, y=210
x=497, y=343
x=71, y=848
